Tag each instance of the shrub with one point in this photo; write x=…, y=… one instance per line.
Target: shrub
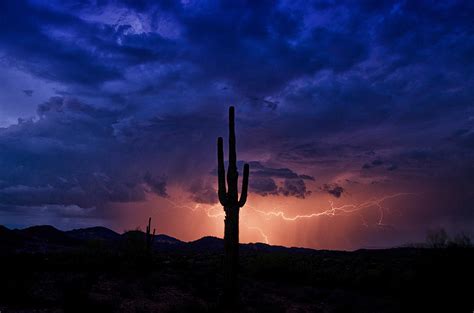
x=461, y=240
x=437, y=238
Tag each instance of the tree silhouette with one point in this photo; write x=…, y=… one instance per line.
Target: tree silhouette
x=229, y=198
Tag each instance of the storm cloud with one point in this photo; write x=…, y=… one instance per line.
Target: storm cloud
x=115, y=103
x=333, y=189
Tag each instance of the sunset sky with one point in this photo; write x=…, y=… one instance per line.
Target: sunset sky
x=357, y=117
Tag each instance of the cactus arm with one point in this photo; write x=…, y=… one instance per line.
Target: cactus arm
x=245, y=186
x=153, y=237
x=148, y=227
x=148, y=237
x=222, y=192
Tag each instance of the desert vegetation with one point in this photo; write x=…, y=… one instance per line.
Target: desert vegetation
x=229, y=198
x=92, y=270
x=438, y=238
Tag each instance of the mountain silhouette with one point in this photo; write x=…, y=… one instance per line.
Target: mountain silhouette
x=47, y=234
x=93, y=233
x=207, y=243
x=46, y=237
x=10, y=240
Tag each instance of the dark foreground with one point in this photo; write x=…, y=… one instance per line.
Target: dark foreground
x=97, y=270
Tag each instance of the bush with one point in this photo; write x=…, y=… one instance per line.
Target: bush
x=437, y=238
x=461, y=240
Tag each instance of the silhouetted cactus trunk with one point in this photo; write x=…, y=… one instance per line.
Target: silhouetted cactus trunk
x=149, y=237
x=231, y=258
x=229, y=198
x=148, y=256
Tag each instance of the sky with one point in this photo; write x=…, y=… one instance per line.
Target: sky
x=356, y=117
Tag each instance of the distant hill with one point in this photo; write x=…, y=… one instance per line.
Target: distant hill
x=93, y=233
x=47, y=234
x=46, y=238
x=158, y=239
x=162, y=238
x=10, y=240
x=207, y=243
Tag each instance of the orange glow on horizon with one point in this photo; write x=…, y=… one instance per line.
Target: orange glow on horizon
x=319, y=221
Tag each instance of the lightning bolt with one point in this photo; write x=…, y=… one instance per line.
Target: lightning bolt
x=216, y=211
x=345, y=209
x=260, y=231
x=210, y=210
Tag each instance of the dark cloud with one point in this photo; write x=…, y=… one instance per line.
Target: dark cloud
x=377, y=162
x=294, y=187
x=28, y=92
x=69, y=156
x=49, y=56
x=392, y=167
x=333, y=189
x=366, y=166
x=156, y=184
x=263, y=186
x=308, y=177
x=259, y=170
x=203, y=192
x=374, y=163
x=322, y=152
x=268, y=180
x=463, y=138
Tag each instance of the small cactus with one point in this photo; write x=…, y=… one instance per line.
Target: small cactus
x=229, y=198
x=149, y=237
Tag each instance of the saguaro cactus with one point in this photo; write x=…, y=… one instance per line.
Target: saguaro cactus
x=229, y=199
x=148, y=236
